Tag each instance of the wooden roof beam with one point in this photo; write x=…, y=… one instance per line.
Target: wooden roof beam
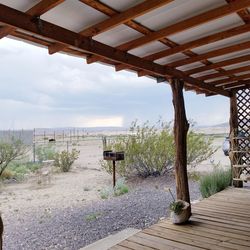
x=181, y=26
x=226, y=73
x=196, y=43
x=5, y=31
x=244, y=14
x=138, y=27
x=200, y=42
x=43, y=6
x=25, y=22
x=37, y=10
x=228, y=62
x=226, y=81
x=238, y=84
x=120, y=18
x=116, y=20
x=211, y=54
x=187, y=24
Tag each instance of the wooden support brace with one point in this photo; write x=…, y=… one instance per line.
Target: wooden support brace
x=181, y=127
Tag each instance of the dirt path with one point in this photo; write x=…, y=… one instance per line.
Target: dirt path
x=78, y=186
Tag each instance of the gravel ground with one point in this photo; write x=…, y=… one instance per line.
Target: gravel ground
x=76, y=226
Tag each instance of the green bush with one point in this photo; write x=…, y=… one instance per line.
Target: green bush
x=199, y=148
x=7, y=174
x=65, y=159
x=150, y=150
x=11, y=150
x=18, y=169
x=120, y=187
x=106, y=193
x=44, y=153
x=215, y=182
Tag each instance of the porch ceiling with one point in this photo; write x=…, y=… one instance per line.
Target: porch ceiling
x=204, y=43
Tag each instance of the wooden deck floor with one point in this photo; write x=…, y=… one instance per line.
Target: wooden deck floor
x=220, y=222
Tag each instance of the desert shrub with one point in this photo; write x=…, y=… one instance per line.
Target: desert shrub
x=44, y=153
x=214, y=182
x=93, y=216
x=106, y=193
x=11, y=150
x=65, y=159
x=199, y=148
x=120, y=187
x=7, y=174
x=150, y=150
x=19, y=169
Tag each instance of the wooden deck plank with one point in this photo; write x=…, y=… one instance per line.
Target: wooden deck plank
x=160, y=243
x=185, y=238
x=223, y=220
x=238, y=214
x=226, y=228
x=207, y=228
x=223, y=216
x=208, y=233
x=220, y=222
x=118, y=247
x=133, y=245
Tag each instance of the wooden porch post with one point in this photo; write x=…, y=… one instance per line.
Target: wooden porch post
x=181, y=127
x=233, y=133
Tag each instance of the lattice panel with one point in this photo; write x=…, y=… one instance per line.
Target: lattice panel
x=243, y=138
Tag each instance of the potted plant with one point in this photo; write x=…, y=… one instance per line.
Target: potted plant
x=180, y=212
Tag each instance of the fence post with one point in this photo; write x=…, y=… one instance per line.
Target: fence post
x=34, y=152
x=67, y=147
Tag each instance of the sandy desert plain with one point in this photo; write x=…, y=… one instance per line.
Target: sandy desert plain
x=79, y=187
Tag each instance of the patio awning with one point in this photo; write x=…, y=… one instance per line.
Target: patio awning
x=204, y=43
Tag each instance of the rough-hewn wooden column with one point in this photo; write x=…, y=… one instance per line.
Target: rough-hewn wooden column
x=233, y=133
x=181, y=127
x=1, y=233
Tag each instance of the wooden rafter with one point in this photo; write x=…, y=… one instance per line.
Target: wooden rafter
x=5, y=31
x=237, y=85
x=107, y=10
x=116, y=20
x=187, y=24
x=181, y=26
x=211, y=54
x=218, y=64
x=226, y=73
x=232, y=79
x=43, y=6
x=25, y=22
x=196, y=43
x=199, y=42
x=244, y=14
x=37, y=10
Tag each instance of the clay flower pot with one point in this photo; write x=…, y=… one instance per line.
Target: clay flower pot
x=182, y=215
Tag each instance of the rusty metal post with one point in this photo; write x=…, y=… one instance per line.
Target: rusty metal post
x=109, y=155
x=114, y=180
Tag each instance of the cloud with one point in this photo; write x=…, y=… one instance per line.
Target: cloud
x=38, y=90
x=115, y=121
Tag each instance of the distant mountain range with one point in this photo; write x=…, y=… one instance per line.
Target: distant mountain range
x=220, y=125
x=100, y=129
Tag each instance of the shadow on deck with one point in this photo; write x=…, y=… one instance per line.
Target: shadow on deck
x=220, y=222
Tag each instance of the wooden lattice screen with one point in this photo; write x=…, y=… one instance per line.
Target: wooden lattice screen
x=240, y=139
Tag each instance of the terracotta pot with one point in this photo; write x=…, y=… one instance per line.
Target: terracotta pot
x=183, y=216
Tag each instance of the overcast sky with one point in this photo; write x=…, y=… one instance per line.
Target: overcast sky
x=38, y=90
